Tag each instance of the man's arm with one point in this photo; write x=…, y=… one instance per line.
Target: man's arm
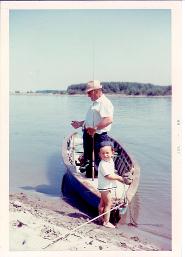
x=104, y=123
x=101, y=125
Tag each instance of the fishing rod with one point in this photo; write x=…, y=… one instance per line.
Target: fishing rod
x=93, y=152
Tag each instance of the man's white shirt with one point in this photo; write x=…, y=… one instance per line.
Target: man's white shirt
x=100, y=108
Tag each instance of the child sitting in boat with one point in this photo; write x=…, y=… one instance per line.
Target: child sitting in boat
x=106, y=180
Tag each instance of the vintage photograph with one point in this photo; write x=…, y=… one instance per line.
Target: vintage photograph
x=93, y=131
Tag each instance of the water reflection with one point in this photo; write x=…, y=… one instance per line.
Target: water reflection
x=54, y=176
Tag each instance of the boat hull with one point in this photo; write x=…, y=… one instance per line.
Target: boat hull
x=85, y=187
x=72, y=184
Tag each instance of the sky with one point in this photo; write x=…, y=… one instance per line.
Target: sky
x=52, y=49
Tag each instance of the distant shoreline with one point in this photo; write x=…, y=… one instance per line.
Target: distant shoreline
x=73, y=95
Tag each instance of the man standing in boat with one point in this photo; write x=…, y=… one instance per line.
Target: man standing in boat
x=97, y=123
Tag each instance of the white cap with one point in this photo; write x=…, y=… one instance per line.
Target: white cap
x=93, y=85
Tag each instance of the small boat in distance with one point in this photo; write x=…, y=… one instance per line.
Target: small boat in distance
x=125, y=166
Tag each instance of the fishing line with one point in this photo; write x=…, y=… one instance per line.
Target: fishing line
x=93, y=60
x=80, y=226
x=93, y=153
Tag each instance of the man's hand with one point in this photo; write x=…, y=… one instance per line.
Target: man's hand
x=91, y=131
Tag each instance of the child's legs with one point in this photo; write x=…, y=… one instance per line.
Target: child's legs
x=101, y=209
x=106, y=204
x=101, y=206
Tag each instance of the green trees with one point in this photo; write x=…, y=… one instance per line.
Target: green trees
x=126, y=88
x=76, y=89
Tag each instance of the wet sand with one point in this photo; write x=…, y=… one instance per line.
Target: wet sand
x=42, y=225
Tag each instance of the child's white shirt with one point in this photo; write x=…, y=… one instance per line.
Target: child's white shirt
x=106, y=168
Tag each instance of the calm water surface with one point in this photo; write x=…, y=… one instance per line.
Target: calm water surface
x=38, y=125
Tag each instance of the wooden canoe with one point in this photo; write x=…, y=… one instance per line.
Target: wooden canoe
x=125, y=166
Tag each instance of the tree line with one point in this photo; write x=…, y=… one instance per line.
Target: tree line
x=126, y=88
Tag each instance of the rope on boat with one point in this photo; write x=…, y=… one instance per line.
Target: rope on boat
x=80, y=226
x=132, y=221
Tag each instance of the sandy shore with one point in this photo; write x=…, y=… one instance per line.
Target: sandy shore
x=36, y=224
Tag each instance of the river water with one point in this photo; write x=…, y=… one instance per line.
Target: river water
x=38, y=125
